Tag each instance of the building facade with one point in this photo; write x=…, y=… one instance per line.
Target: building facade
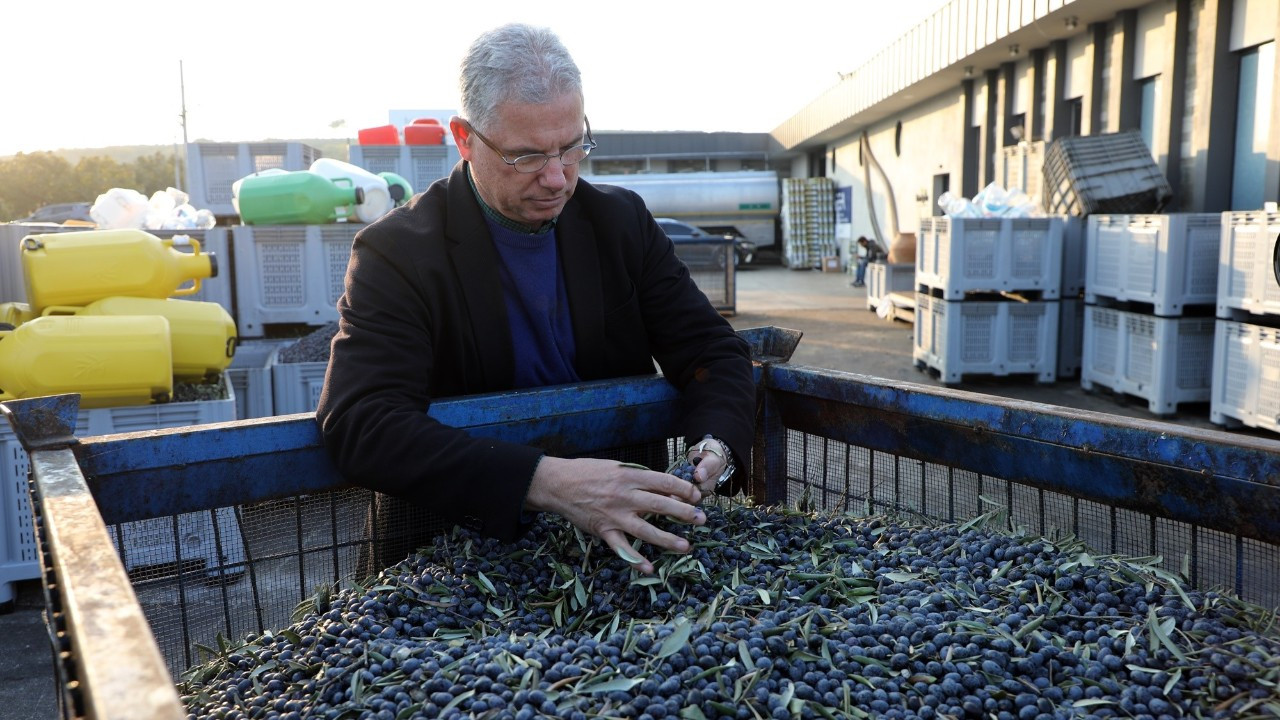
x=973, y=91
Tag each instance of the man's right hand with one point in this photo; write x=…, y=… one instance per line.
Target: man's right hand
x=613, y=501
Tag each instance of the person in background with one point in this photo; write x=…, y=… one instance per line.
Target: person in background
x=863, y=253
x=513, y=273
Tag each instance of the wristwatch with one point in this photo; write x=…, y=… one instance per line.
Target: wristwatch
x=729, y=466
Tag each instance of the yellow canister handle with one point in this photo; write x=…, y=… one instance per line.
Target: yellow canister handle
x=60, y=310
x=195, y=282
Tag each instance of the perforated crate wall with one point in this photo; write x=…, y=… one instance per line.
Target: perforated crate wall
x=884, y=278
x=421, y=165
x=1246, y=276
x=290, y=274
x=1166, y=361
x=212, y=168
x=1246, y=376
x=296, y=386
x=1167, y=261
x=19, y=558
x=251, y=376
x=979, y=337
x=956, y=256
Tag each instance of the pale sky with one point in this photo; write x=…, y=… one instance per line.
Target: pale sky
x=85, y=75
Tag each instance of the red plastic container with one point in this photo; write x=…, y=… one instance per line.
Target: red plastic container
x=424, y=131
x=381, y=135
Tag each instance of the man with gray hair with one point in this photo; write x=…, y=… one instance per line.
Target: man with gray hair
x=514, y=273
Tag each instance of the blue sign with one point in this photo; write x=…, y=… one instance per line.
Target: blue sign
x=844, y=204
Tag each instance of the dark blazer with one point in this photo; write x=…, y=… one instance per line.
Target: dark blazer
x=423, y=317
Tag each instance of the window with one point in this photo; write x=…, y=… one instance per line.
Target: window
x=1253, y=124
x=1075, y=117
x=688, y=165
x=1147, y=115
x=616, y=167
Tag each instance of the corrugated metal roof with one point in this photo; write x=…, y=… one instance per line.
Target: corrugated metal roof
x=933, y=56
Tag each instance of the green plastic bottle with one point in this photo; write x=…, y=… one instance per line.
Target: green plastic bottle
x=400, y=188
x=301, y=197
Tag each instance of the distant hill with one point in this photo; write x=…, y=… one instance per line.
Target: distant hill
x=328, y=147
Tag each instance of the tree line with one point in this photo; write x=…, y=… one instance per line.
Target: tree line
x=31, y=180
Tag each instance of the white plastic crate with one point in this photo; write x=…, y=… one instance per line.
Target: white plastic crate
x=1163, y=360
x=1246, y=376
x=147, y=542
x=1246, y=275
x=251, y=376
x=957, y=256
x=290, y=274
x=981, y=337
x=296, y=386
x=421, y=165
x=884, y=278
x=1167, y=261
x=212, y=168
x=1070, y=337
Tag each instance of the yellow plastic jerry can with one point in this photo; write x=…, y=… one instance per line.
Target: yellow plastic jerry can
x=79, y=267
x=202, y=334
x=109, y=361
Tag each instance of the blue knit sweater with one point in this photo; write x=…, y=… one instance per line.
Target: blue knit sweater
x=537, y=307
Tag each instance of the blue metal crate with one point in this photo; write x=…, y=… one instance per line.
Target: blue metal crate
x=842, y=442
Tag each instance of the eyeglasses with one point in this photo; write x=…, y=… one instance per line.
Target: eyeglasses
x=534, y=162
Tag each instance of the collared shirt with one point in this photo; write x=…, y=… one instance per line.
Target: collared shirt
x=503, y=220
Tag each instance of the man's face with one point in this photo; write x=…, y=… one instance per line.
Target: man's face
x=525, y=129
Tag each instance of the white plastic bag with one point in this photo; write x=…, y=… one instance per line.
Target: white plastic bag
x=120, y=209
x=170, y=210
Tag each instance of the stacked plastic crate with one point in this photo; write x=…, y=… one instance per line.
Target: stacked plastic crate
x=986, y=297
x=1246, y=349
x=1151, y=282
x=808, y=217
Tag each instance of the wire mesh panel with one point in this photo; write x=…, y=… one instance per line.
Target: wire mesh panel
x=833, y=476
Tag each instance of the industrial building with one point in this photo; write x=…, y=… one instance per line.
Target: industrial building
x=973, y=93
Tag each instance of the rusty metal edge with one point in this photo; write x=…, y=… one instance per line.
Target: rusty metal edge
x=118, y=667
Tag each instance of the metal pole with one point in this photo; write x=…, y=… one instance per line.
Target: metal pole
x=177, y=161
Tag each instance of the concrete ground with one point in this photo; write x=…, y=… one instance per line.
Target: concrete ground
x=839, y=333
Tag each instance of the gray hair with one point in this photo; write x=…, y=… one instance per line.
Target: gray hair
x=514, y=62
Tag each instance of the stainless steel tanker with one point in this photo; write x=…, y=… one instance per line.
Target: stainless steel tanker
x=749, y=201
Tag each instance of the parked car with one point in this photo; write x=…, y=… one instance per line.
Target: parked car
x=60, y=212
x=699, y=248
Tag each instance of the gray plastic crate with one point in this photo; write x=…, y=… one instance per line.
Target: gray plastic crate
x=251, y=376
x=884, y=279
x=1112, y=173
x=1073, y=257
x=296, y=386
x=290, y=274
x=979, y=337
x=956, y=256
x=1166, y=361
x=1167, y=261
x=1246, y=389
x=212, y=168
x=421, y=165
x=144, y=546
x=1246, y=274
x=1070, y=337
